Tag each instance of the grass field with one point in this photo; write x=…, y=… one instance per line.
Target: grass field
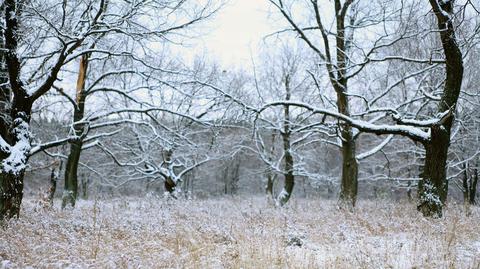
x=238, y=233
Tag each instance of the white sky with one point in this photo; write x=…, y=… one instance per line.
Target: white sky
x=236, y=32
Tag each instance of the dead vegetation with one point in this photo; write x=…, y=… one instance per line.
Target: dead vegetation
x=238, y=233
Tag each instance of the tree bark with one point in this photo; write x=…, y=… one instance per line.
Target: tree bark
x=270, y=182
x=57, y=167
x=269, y=173
x=473, y=188
x=433, y=188
x=70, y=193
x=170, y=184
x=289, y=177
x=15, y=130
x=12, y=168
x=349, y=182
x=469, y=185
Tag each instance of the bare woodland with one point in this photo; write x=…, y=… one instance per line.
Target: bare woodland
x=362, y=112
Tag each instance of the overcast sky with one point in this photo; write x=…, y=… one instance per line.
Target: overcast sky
x=236, y=31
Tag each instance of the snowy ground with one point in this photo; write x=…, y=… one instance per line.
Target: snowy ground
x=238, y=233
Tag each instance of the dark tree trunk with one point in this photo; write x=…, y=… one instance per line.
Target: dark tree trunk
x=70, y=193
x=170, y=184
x=15, y=127
x=11, y=194
x=289, y=177
x=5, y=91
x=349, y=183
x=53, y=182
x=270, y=182
x=473, y=187
x=12, y=170
x=469, y=184
x=433, y=188
x=349, y=186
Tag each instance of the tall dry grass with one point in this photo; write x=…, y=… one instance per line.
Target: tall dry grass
x=238, y=233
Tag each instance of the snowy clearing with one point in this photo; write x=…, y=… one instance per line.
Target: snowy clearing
x=238, y=232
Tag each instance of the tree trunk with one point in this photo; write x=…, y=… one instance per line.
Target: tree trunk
x=11, y=194
x=270, y=174
x=433, y=188
x=170, y=183
x=469, y=184
x=70, y=193
x=270, y=182
x=85, y=183
x=349, y=183
x=349, y=186
x=287, y=190
x=53, y=182
x=473, y=187
x=12, y=167
x=15, y=119
x=465, y=184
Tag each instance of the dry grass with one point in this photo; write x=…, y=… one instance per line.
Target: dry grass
x=238, y=233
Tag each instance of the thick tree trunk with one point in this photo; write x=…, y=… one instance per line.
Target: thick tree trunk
x=433, y=188
x=15, y=121
x=349, y=186
x=11, y=194
x=70, y=193
x=349, y=183
x=13, y=164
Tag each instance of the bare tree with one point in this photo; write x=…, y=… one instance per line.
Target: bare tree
x=35, y=60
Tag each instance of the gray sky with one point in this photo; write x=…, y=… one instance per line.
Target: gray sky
x=236, y=31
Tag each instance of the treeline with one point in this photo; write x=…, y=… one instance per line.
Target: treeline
x=349, y=92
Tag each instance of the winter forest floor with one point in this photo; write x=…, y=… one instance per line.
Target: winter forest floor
x=238, y=233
